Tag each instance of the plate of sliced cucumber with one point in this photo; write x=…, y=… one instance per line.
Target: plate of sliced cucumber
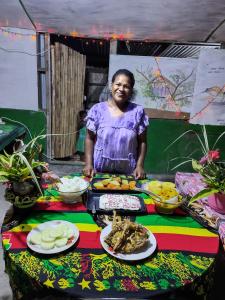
x=52, y=237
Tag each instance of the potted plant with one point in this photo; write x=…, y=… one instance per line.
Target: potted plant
x=211, y=169
x=21, y=171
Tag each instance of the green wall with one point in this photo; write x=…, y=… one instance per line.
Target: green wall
x=34, y=120
x=162, y=132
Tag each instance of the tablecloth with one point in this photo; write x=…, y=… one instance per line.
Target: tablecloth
x=185, y=252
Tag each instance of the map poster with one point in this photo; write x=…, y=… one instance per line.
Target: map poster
x=208, y=105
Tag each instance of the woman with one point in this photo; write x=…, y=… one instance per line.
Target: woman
x=116, y=132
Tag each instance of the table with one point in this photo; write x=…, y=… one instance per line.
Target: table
x=183, y=260
x=8, y=133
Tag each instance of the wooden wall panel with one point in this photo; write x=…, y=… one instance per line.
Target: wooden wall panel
x=68, y=75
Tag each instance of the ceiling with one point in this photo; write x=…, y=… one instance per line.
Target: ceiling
x=148, y=20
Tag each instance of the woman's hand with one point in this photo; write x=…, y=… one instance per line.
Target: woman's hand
x=89, y=171
x=89, y=150
x=139, y=173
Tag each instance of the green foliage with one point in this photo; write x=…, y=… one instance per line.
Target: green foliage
x=213, y=176
x=22, y=164
x=212, y=170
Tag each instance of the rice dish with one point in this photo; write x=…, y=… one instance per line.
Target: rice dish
x=70, y=185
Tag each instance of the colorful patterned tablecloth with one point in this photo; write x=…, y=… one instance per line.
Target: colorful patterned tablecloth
x=185, y=252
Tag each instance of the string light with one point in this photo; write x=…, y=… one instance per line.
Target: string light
x=13, y=34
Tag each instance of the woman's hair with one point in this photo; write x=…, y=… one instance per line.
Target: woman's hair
x=127, y=73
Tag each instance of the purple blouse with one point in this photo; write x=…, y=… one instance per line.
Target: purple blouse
x=116, y=144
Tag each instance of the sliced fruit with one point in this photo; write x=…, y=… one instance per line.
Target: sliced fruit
x=61, y=242
x=36, y=238
x=47, y=245
x=45, y=235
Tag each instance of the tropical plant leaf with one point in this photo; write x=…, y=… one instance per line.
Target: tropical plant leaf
x=31, y=171
x=204, y=150
x=202, y=194
x=205, y=138
x=217, y=140
x=184, y=162
x=196, y=165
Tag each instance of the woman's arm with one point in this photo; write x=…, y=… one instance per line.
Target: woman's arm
x=139, y=172
x=89, y=151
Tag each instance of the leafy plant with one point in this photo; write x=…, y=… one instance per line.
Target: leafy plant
x=23, y=164
x=209, y=166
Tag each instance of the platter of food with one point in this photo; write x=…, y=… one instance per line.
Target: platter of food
x=114, y=183
x=107, y=202
x=167, y=197
x=128, y=241
x=52, y=237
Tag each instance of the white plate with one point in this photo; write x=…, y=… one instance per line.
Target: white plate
x=53, y=224
x=144, y=252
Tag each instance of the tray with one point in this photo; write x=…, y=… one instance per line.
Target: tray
x=110, y=190
x=93, y=205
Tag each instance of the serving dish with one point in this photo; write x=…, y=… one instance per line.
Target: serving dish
x=142, y=253
x=74, y=235
x=114, y=184
x=93, y=205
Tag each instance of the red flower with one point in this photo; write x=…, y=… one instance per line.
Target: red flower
x=214, y=154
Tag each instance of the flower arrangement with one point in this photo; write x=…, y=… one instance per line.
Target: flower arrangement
x=209, y=167
x=213, y=173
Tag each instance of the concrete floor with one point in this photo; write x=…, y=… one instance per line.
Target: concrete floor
x=218, y=292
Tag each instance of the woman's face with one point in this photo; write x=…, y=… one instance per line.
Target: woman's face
x=121, y=89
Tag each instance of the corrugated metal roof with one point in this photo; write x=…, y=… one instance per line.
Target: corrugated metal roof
x=164, y=49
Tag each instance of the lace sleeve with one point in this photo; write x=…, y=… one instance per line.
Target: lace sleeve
x=142, y=121
x=92, y=119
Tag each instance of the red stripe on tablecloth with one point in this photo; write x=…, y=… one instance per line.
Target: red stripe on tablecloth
x=59, y=206
x=86, y=240
x=175, y=242
x=202, y=244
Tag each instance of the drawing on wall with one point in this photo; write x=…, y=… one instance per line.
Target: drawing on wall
x=209, y=95
x=161, y=83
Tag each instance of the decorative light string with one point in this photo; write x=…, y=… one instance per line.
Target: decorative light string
x=117, y=37
x=18, y=34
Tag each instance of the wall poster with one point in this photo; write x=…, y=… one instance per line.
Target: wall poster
x=208, y=106
x=162, y=84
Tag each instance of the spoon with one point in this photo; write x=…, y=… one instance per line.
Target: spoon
x=148, y=193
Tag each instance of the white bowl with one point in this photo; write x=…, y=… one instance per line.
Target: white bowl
x=71, y=189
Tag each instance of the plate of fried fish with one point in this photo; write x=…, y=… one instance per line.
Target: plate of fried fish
x=128, y=240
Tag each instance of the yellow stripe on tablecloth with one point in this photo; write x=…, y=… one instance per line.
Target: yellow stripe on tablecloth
x=153, y=229
x=181, y=230
x=81, y=227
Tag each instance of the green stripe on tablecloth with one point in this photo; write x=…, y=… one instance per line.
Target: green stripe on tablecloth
x=172, y=220
x=40, y=217
x=148, y=220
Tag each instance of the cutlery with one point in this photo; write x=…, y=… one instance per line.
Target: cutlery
x=93, y=210
x=148, y=193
